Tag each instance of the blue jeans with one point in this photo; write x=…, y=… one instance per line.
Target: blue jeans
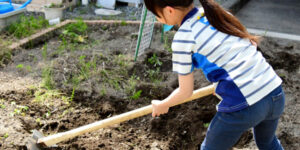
x=226, y=128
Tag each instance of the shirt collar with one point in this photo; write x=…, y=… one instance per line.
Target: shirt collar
x=190, y=14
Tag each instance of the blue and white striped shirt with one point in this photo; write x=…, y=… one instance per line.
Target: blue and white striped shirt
x=241, y=74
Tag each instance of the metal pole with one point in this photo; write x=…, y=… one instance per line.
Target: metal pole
x=140, y=34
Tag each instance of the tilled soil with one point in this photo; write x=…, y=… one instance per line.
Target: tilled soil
x=109, y=87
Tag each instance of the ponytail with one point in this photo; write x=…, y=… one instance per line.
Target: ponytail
x=218, y=17
x=223, y=21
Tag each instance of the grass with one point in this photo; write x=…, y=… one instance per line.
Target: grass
x=47, y=78
x=44, y=51
x=72, y=36
x=27, y=26
x=5, y=56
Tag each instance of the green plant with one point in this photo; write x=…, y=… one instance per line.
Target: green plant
x=27, y=26
x=47, y=78
x=5, y=135
x=103, y=91
x=44, y=51
x=75, y=32
x=206, y=125
x=5, y=56
x=73, y=94
x=28, y=68
x=47, y=114
x=136, y=95
x=53, y=5
x=20, y=110
x=85, y=67
x=20, y=66
x=38, y=121
x=2, y=106
x=154, y=75
x=123, y=23
x=167, y=44
x=154, y=60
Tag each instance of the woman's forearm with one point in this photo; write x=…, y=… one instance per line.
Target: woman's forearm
x=176, y=97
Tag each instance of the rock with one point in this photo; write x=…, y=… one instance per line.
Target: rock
x=109, y=4
x=107, y=12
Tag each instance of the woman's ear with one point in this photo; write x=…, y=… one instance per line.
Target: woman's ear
x=169, y=10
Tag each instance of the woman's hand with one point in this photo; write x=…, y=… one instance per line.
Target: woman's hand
x=158, y=108
x=253, y=43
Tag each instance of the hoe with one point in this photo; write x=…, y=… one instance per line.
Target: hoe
x=38, y=141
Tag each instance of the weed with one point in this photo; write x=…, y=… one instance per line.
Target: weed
x=73, y=94
x=20, y=66
x=38, y=121
x=75, y=32
x=104, y=27
x=27, y=26
x=44, y=51
x=103, y=91
x=154, y=60
x=123, y=23
x=48, y=82
x=167, y=44
x=85, y=67
x=154, y=75
x=20, y=110
x=136, y=95
x=206, y=125
x=48, y=114
x=28, y=68
x=2, y=106
x=5, y=135
x=53, y=5
x=5, y=56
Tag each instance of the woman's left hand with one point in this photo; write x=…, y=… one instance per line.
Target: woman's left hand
x=158, y=108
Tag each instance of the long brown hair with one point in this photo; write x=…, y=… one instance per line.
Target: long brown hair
x=217, y=16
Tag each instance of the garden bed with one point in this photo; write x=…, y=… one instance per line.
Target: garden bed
x=69, y=80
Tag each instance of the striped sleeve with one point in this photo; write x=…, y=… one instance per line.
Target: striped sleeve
x=182, y=47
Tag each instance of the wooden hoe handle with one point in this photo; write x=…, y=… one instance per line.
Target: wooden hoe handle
x=56, y=138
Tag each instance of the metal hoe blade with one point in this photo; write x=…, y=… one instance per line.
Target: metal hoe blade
x=32, y=142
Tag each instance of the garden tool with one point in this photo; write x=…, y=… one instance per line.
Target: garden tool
x=38, y=141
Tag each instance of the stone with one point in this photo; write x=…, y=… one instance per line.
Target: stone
x=107, y=12
x=109, y=4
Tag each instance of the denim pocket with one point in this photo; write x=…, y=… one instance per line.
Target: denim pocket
x=278, y=104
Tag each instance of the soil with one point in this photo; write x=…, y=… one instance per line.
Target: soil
x=107, y=84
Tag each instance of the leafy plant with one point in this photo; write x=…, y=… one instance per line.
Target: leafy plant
x=206, y=125
x=27, y=26
x=20, y=110
x=5, y=135
x=154, y=60
x=136, y=95
x=2, y=106
x=154, y=75
x=75, y=32
x=20, y=66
